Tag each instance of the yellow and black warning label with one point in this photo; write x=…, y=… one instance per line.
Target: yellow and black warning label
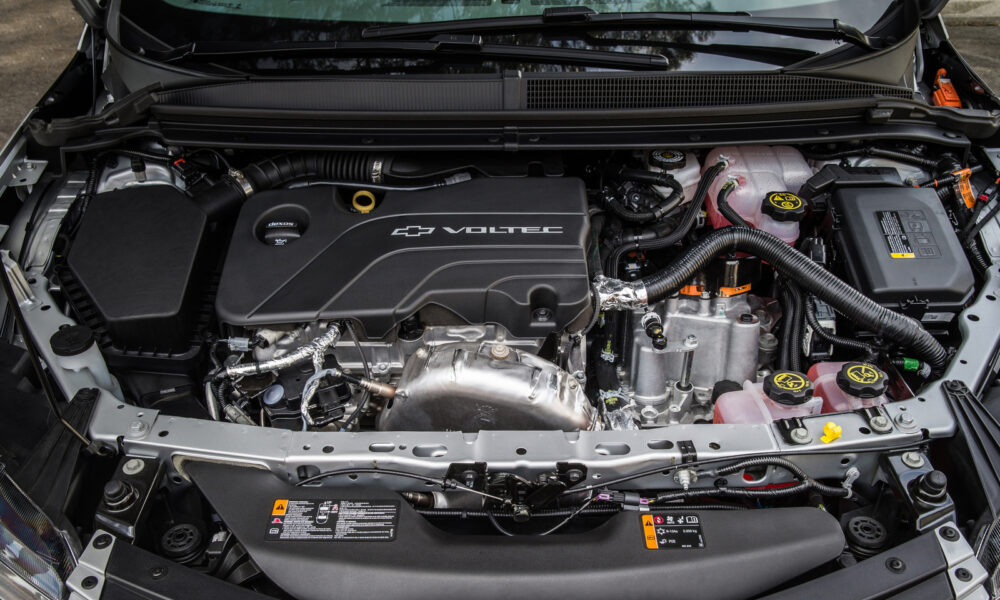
x=907, y=234
x=863, y=374
x=280, y=507
x=672, y=531
x=333, y=520
x=784, y=200
x=791, y=381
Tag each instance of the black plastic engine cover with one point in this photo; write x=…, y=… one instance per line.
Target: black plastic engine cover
x=507, y=251
x=382, y=548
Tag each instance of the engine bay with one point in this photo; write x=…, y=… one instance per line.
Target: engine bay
x=464, y=301
x=515, y=344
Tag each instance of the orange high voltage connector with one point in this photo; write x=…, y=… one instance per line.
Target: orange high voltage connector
x=944, y=91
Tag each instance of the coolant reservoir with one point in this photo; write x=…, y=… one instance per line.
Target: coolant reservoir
x=768, y=178
x=683, y=167
x=783, y=395
x=846, y=386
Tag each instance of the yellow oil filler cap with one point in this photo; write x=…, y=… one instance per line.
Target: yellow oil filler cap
x=363, y=201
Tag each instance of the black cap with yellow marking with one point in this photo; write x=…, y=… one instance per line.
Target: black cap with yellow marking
x=788, y=387
x=784, y=206
x=862, y=380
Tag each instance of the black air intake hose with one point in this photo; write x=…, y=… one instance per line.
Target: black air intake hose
x=279, y=170
x=227, y=195
x=807, y=274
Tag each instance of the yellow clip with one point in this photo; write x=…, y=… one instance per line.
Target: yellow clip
x=831, y=431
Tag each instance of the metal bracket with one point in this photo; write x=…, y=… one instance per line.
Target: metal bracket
x=26, y=172
x=87, y=579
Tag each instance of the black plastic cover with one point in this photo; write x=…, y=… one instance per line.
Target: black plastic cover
x=507, y=251
x=901, y=250
x=135, y=255
x=745, y=553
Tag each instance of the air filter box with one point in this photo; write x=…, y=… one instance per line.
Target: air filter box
x=135, y=255
x=899, y=248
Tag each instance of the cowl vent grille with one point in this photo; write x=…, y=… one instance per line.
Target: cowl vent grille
x=691, y=91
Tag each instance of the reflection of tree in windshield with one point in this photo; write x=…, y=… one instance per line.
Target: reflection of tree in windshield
x=677, y=46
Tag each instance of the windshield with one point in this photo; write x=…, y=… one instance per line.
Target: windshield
x=166, y=25
x=423, y=11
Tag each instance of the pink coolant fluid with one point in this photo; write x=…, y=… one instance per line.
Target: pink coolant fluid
x=768, y=178
x=782, y=395
x=846, y=386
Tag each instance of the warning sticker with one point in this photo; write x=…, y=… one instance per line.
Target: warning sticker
x=908, y=234
x=333, y=520
x=672, y=531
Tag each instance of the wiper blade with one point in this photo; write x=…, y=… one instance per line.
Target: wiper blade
x=438, y=46
x=587, y=18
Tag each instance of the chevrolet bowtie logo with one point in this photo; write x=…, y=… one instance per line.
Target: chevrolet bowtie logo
x=413, y=231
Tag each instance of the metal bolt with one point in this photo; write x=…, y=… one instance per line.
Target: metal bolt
x=157, y=572
x=102, y=541
x=138, y=428
x=685, y=477
x=880, y=424
x=895, y=565
x=800, y=435
x=573, y=384
x=133, y=466
x=691, y=341
x=574, y=475
x=422, y=353
x=542, y=315
x=89, y=582
x=950, y=534
x=500, y=351
x=905, y=420
x=963, y=574
x=649, y=414
x=380, y=368
x=914, y=460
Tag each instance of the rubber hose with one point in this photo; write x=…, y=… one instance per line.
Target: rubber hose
x=926, y=163
x=795, y=350
x=788, y=307
x=654, y=178
x=870, y=353
x=626, y=214
x=682, y=229
x=798, y=267
x=223, y=198
x=651, y=178
x=727, y=211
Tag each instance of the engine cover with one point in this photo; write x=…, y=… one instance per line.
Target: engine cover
x=506, y=251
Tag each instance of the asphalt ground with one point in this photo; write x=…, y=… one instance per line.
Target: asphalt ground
x=38, y=37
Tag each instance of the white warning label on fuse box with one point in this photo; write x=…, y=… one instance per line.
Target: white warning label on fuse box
x=333, y=520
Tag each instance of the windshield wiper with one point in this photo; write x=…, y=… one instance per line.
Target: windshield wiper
x=587, y=18
x=438, y=46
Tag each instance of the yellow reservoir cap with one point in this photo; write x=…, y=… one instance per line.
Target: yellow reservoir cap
x=363, y=201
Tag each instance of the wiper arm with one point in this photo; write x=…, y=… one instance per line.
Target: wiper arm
x=441, y=45
x=578, y=17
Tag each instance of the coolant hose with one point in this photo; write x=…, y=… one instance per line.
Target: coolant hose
x=722, y=201
x=808, y=275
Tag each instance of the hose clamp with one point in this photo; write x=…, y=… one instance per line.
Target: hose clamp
x=241, y=180
x=376, y=171
x=614, y=294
